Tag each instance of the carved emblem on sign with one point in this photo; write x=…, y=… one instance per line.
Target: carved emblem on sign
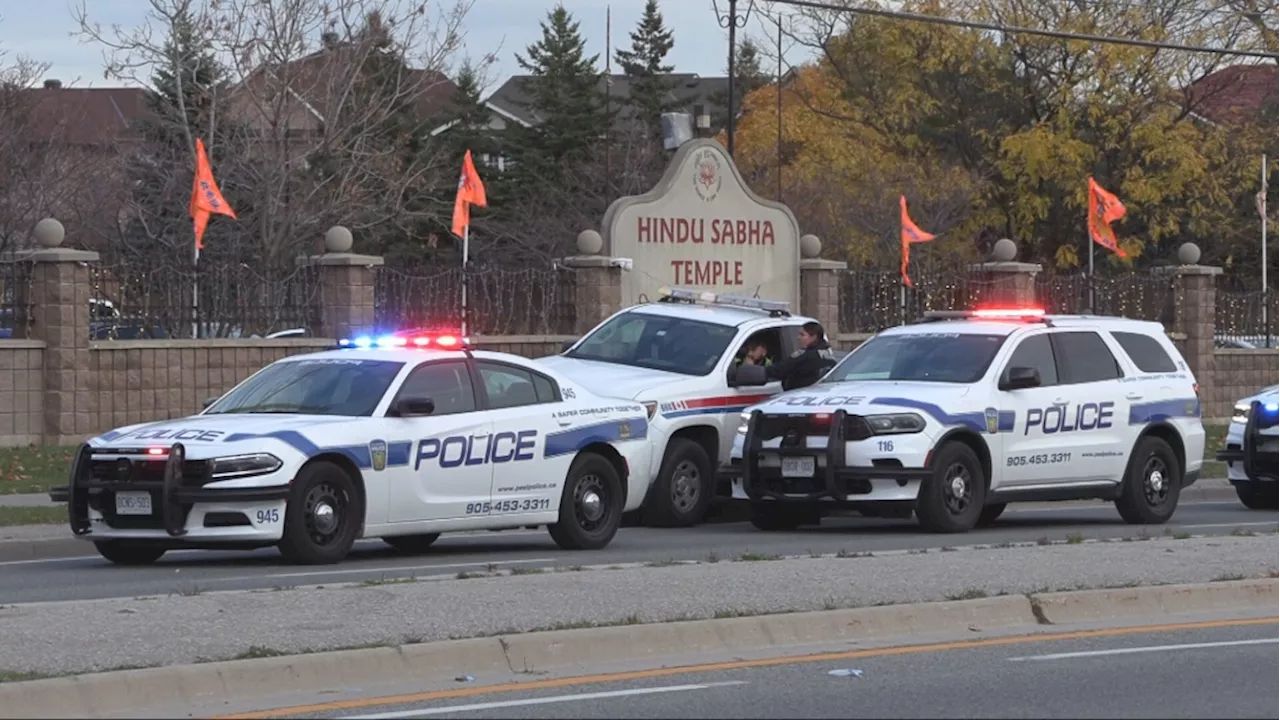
x=707, y=174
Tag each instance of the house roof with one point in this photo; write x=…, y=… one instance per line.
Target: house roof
x=688, y=89
x=79, y=116
x=1234, y=94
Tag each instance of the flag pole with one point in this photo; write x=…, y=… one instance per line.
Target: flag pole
x=195, y=290
x=466, y=247
x=1092, y=298
x=1266, y=304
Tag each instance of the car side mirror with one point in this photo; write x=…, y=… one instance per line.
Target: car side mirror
x=1021, y=377
x=209, y=401
x=413, y=407
x=750, y=376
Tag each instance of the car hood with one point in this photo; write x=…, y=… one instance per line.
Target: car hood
x=205, y=436
x=613, y=380
x=944, y=403
x=1266, y=395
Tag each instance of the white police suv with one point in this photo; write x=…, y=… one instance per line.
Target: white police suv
x=677, y=357
x=402, y=437
x=958, y=415
x=1250, y=449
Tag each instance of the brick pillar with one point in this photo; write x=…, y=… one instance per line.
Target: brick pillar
x=597, y=289
x=1009, y=284
x=58, y=298
x=346, y=292
x=820, y=292
x=1195, y=297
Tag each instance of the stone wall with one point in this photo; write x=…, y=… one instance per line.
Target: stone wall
x=21, y=392
x=1237, y=374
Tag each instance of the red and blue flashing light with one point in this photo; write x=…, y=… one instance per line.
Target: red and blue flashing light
x=419, y=340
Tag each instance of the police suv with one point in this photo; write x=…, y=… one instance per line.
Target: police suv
x=677, y=357
x=957, y=415
x=1250, y=449
x=401, y=437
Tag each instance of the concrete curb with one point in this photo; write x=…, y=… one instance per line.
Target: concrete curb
x=584, y=651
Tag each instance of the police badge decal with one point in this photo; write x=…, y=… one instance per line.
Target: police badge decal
x=378, y=453
x=993, y=420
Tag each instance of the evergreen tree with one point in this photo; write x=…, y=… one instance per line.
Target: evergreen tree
x=748, y=76
x=565, y=94
x=651, y=84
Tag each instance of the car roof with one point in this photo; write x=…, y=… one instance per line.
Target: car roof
x=408, y=355
x=1009, y=327
x=716, y=314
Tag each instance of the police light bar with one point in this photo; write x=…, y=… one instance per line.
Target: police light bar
x=987, y=314
x=440, y=341
x=710, y=298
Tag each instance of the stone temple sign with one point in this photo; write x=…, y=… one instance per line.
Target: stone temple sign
x=702, y=227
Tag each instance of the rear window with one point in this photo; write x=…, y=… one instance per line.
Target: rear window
x=1145, y=352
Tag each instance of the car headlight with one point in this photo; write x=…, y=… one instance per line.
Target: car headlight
x=650, y=407
x=244, y=466
x=1240, y=414
x=744, y=419
x=895, y=424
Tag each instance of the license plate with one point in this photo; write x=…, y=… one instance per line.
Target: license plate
x=133, y=503
x=797, y=467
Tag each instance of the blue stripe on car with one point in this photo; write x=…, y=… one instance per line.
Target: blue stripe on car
x=1143, y=413
x=975, y=421
x=397, y=452
x=571, y=441
x=706, y=411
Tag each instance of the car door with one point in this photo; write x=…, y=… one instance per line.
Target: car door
x=1029, y=450
x=523, y=405
x=448, y=475
x=1095, y=424
x=781, y=341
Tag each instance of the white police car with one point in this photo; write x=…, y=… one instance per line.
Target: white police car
x=675, y=356
x=400, y=438
x=1250, y=449
x=958, y=415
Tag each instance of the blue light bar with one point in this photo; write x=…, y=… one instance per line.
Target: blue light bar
x=415, y=339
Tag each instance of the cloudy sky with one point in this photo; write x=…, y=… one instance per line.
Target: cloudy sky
x=43, y=30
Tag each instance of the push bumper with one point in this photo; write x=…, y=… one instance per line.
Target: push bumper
x=832, y=478
x=1259, y=464
x=173, y=499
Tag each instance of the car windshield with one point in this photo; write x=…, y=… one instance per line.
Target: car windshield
x=659, y=342
x=322, y=386
x=925, y=357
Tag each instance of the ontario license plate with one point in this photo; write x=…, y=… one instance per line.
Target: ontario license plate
x=133, y=503
x=797, y=467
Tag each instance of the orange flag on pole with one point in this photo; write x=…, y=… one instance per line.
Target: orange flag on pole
x=1104, y=209
x=911, y=233
x=470, y=192
x=206, y=198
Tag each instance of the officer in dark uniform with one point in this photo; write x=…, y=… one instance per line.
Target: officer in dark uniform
x=807, y=365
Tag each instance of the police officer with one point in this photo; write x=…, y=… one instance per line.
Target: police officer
x=807, y=365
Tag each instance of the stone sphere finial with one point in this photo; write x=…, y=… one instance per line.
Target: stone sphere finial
x=590, y=242
x=49, y=233
x=1005, y=250
x=337, y=239
x=810, y=246
x=1189, y=253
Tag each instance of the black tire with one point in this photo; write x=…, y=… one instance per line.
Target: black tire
x=773, y=516
x=123, y=552
x=989, y=514
x=1257, y=496
x=1152, y=484
x=587, y=524
x=313, y=536
x=412, y=544
x=684, y=486
x=952, y=500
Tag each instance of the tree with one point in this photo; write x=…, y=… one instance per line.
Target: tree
x=644, y=65
x=748, y=76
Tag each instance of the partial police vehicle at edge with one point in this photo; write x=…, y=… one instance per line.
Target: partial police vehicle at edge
x=402, y=437
x=1250, y=449
x=958, y=415
x=676, y=356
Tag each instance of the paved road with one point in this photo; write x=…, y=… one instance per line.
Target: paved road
x=1222, y=672
x=91, y=577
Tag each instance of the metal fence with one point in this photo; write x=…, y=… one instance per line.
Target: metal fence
x=1245, y=319
x=871, y=300
x=499, y=301
x=15, y=279
x=1138, y=295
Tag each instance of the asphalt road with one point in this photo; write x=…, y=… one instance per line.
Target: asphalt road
x=1222, y=672
x=91, y=577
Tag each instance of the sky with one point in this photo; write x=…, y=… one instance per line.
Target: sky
x=42, y=30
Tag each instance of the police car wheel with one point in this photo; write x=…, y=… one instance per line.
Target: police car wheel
x=322, y=517
x=952, y=500
x=684, y=487
x=591, y=505
x=123, y=552
x=1257, y=496
x=990, y=513
x=412, y=544
x=1149, y=495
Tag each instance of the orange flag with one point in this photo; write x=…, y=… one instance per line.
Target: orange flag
x=1104, y=209
x=206, y=198
x=911, y=233
x=470, y=192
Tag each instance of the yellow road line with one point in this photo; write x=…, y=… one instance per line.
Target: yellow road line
x=362, y=703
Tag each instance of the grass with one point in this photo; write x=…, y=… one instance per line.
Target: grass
x=35, y=468
x=10, y=516
x=1213, y=436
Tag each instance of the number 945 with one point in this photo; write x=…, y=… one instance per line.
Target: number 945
x=266, y=517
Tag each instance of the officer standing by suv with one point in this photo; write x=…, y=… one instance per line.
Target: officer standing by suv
x=809, y=364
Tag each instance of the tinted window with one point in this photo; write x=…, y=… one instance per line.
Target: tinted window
x=447, y=384
x=1084, y=357
x=660, y=342
x=931, y=357
x=323, y=386
x=1145, y=352
x=545, y=389
x=1035, y=352
x=507, y=386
